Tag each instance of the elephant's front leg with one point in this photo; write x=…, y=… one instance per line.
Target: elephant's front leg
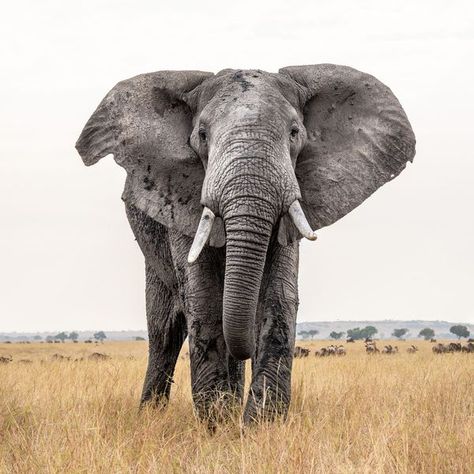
x=270, y=390
x=216, y=377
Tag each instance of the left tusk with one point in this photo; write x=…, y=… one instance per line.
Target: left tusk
x=202, y=234
x=300, y=221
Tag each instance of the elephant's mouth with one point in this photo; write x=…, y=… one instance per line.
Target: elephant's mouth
x=247, y=239
x=207, y=220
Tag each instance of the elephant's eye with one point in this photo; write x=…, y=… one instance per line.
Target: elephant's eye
x=294, y=131
x=202, y=135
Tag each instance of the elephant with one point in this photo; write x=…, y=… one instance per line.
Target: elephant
x=226, y=173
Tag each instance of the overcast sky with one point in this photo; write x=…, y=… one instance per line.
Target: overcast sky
x=68, y=258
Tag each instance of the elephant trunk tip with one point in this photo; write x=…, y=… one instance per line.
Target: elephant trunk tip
x=240, y=351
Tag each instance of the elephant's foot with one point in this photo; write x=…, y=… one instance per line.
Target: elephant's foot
x=156, y=389
x=265, y=405
x=216, y=406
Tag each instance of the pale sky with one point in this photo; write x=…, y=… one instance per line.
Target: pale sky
x=68, y=258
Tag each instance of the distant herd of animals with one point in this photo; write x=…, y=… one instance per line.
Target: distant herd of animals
x=57, y=341
x=96, y=356
x=371, y=348
x=299, y=352
x=454, y=347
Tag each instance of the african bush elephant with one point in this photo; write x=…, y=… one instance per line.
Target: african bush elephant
x=254, y=161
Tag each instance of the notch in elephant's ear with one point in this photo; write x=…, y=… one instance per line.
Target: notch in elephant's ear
x=145, y=123
x=358, y=138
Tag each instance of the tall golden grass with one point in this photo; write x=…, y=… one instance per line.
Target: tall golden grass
x=407, y=413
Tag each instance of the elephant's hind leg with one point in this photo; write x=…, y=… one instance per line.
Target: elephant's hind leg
x=166, y=333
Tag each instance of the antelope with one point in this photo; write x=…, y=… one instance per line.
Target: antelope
x=371, y=348
x=6, y=360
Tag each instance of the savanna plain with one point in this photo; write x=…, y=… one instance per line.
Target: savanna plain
x=398, y=413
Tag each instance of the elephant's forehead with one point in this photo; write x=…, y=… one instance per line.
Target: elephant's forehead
x=245, y=90
x=243, y=81
x=238, y=84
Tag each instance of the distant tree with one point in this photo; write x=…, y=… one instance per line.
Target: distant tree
x=313, y=332
x=336, y=335
x=459, y=331
x=364, y=333
x=303, y=334
x=49, y=338
x=370, y=331
x=426, y=333
x=62, y=336
x=37, y=337
x=74, y=336
x=100, y=336
x=399, y=333
x=354, y=333
x=139, y=338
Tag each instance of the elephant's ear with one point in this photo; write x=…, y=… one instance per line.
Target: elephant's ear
x=146, y=125
x=358, y=139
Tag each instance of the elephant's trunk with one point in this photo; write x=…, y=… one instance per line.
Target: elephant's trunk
x=248, y=232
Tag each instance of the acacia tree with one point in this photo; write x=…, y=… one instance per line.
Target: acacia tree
x=459, y=331
x=303, y=334
x=364, y=333
x=62, y=336
x=74, y=336
x=336, y=335
x=399, y=333
x=100, y=336
x=426, y=333
x=313, y=332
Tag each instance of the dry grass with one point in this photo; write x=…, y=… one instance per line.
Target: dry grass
x=359, y=413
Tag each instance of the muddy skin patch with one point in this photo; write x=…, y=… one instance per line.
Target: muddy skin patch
x=239, y=78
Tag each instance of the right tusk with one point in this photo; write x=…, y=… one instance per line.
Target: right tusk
x=202, y=234
x=300, y=221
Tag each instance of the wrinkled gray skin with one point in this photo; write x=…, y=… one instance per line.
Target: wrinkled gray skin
x=246, y=145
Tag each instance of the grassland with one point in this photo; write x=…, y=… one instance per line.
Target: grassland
x=358, y=413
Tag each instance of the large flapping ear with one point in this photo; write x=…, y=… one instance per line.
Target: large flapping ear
x=358, y=139
x=146, y=125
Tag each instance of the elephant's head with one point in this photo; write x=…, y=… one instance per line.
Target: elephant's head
x=242, y=154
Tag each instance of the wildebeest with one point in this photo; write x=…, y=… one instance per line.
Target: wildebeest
x=412, y=349
x=432, y=339
x=5, y=360
x=455, y=347
x=60, y=357
x=301, y=352
x=100, y=356
x=439, y=349
x=350, y=339
x=468, y=347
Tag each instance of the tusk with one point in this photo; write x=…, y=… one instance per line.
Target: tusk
x=202, y=234
x=300, y=221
